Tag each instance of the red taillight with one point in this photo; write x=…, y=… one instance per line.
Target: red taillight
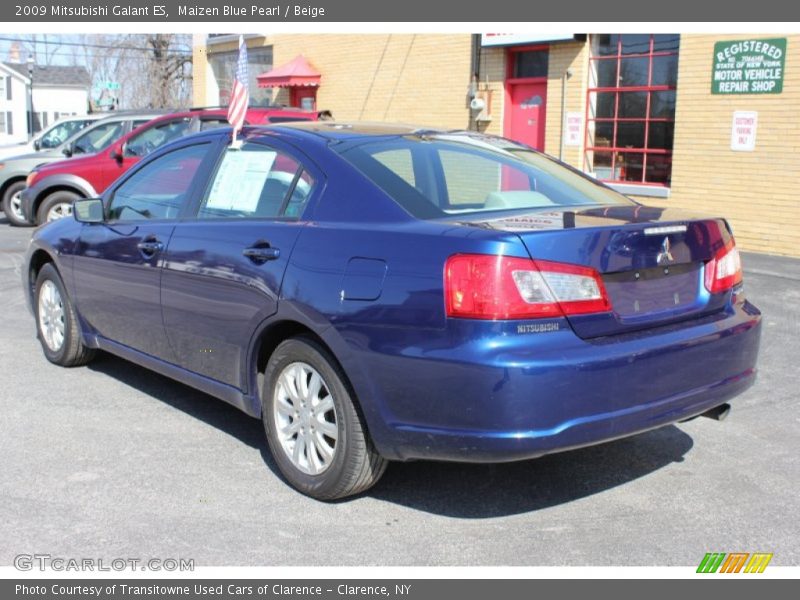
x=724, y=271
x=480, y=286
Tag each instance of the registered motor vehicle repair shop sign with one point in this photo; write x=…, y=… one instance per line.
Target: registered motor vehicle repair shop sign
x=749, y=67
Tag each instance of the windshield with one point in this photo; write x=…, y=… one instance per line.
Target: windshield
x=60, y=132
x=440, y=175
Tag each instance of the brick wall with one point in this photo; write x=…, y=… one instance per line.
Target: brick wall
x=563, y=56
x=199, y=69
x=420, y=79
x=491, y=88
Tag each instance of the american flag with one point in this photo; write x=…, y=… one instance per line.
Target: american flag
x=240, y=94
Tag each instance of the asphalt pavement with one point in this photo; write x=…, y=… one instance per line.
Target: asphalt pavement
x=111, y=460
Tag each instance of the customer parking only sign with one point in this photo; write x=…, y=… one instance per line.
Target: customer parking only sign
x=749, y=67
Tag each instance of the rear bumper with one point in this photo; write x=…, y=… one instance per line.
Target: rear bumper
x=506, y=446
x=505, y=397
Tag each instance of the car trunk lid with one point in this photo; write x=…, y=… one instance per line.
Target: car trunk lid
x=651, y=260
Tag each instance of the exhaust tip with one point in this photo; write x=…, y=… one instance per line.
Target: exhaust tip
x=718, y=413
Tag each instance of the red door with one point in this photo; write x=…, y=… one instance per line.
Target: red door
x=527, y=118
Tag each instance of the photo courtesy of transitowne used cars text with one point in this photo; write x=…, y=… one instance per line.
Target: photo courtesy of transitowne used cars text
x=381, y=293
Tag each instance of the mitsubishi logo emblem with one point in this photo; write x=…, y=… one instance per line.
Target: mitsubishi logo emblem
x=665, y=256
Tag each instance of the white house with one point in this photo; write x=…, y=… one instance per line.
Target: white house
x=57, y=91
x=13, y=106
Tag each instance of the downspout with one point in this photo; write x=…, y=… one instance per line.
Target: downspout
x=567, y=74
x=475, y=74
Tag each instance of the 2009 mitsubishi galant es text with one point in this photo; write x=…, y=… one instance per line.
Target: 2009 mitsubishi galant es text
x=380, y=293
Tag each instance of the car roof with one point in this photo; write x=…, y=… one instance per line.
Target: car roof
x=127, y=115
x=276, y=108
x=338, y=130
x=86, y=117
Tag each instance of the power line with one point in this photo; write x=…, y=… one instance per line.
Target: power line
x=99, y=46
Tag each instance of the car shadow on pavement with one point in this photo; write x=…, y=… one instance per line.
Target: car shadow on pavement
x=194, y=403
x=469, y=491
x=479, y=491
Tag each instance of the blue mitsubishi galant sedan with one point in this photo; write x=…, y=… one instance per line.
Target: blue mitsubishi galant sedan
x=383, y=292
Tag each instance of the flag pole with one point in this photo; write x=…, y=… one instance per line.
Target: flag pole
x=236, y=143
x=240, y=96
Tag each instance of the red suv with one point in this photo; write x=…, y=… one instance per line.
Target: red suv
x=52, y=188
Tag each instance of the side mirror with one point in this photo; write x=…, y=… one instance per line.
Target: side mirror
x=37, y=144
x=88, y=210
x=117, y=152
x=68, y=150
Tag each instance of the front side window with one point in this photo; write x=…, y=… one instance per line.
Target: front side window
x=631, y=107
x=450, y=174
x=257, y=182
x=145, y=142
x=159, y=189
x=98, y=138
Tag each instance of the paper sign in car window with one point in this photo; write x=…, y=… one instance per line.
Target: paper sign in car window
x=240, y=180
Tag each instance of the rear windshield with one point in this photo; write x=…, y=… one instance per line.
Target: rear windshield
x=437, y=176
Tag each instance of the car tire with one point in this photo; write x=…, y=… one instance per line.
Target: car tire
x=58, y=203
x=56, y=321
x=340, y=459
x=12, y=204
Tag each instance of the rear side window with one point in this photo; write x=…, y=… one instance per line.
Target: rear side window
x=300, y=193
x=159, y=189
x=399, y=162
x=206, y=124
x=257, y=182
x=148, y=140
x=99, y=138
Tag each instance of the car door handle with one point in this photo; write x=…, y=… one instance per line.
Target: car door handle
x=149, y=247
x=261, y=253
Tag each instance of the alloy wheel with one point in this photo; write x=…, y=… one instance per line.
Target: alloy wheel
x=305, y=418
x=51, y=315
x=15, y=204
x=59, y=211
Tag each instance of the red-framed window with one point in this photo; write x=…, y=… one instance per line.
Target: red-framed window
x=630, y=108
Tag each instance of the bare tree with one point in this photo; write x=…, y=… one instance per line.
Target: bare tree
x=153, y=71
x=167, y=72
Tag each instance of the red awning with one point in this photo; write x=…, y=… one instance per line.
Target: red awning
x=296, y=73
